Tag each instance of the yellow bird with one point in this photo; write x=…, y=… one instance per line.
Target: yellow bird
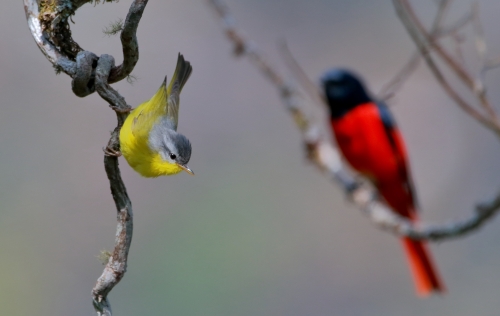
x=149, y=140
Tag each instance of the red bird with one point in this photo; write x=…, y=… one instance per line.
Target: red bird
x=370, y=141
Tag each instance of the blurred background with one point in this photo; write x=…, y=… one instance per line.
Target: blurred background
x=257, y=231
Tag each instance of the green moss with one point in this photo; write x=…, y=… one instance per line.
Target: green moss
x=114, y=28
x=54, y=16
x=58, y=69
x=104, y=256
x=99, y=1
x=58, y=33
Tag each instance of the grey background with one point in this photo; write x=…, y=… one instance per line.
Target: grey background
x=257, y=231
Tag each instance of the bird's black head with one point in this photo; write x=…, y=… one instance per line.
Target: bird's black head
x=343, y=91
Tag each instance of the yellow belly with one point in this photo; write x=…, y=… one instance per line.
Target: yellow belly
x=139, y=155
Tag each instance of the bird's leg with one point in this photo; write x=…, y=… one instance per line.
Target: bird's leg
x=110, y=152
x=120, y=110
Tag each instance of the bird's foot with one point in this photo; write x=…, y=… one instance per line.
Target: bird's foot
x=120, y=110
x=110, y=152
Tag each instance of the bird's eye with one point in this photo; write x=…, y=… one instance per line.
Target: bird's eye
x=173, y=156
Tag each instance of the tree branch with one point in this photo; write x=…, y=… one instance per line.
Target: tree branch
x=327, y=159
x=117, y=263
x=129, y=42
x=299, y=73
x=91, y=73
x=422, y=38
x=392, y=222
x=391, y=87
x=58, y=59
x=50, y=29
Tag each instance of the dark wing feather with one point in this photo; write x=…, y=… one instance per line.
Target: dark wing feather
x=181, y=75
x=398, y=149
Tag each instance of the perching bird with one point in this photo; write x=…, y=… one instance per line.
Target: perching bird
x=370, y=141
x=149, y=140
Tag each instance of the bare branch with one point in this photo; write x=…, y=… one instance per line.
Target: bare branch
x=327, y=159
x=117, y=264
x=458, y=40
x=423, y=39
x=457, y=26
x=482, y=52
x=83, y=83
x=91, y=73
x=420, y=31
x=300, y=74
x=491, y=64
x=481, y=47
x=392, y=222
x=129, y=42
x=391, y=87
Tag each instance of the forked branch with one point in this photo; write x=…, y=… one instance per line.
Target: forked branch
x=427, y=44
x=327, y=159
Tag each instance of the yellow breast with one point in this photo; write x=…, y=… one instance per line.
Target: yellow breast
x=140, y=157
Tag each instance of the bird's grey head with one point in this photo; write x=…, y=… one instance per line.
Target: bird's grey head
x=177, y=148
x=173, y=147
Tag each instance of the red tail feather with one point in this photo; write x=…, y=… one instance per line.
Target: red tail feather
x=424, y=273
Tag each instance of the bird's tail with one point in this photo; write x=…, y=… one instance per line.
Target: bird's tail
x=181, y=75
x=160, y=100
x=422, y=268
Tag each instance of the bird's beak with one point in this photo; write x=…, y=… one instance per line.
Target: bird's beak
x=186, y=168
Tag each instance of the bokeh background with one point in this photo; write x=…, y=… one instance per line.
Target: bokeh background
x=257, y=231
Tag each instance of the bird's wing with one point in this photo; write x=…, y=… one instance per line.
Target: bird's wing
x=398, y=148
x=164, y=104
x=149, y=112
x=181, y=75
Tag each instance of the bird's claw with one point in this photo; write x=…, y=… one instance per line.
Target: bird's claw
x=120, y=110
x=110, y=152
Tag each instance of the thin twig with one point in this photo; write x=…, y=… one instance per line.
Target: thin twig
x=421, y=31
x=482, y=52
x=299, y=73
x=456, y=27
x=327, y=159
x=458, y=39
x=480, y=41
x=395, y=84
x=491, y=64
x=408, y=20
x=422, y=38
